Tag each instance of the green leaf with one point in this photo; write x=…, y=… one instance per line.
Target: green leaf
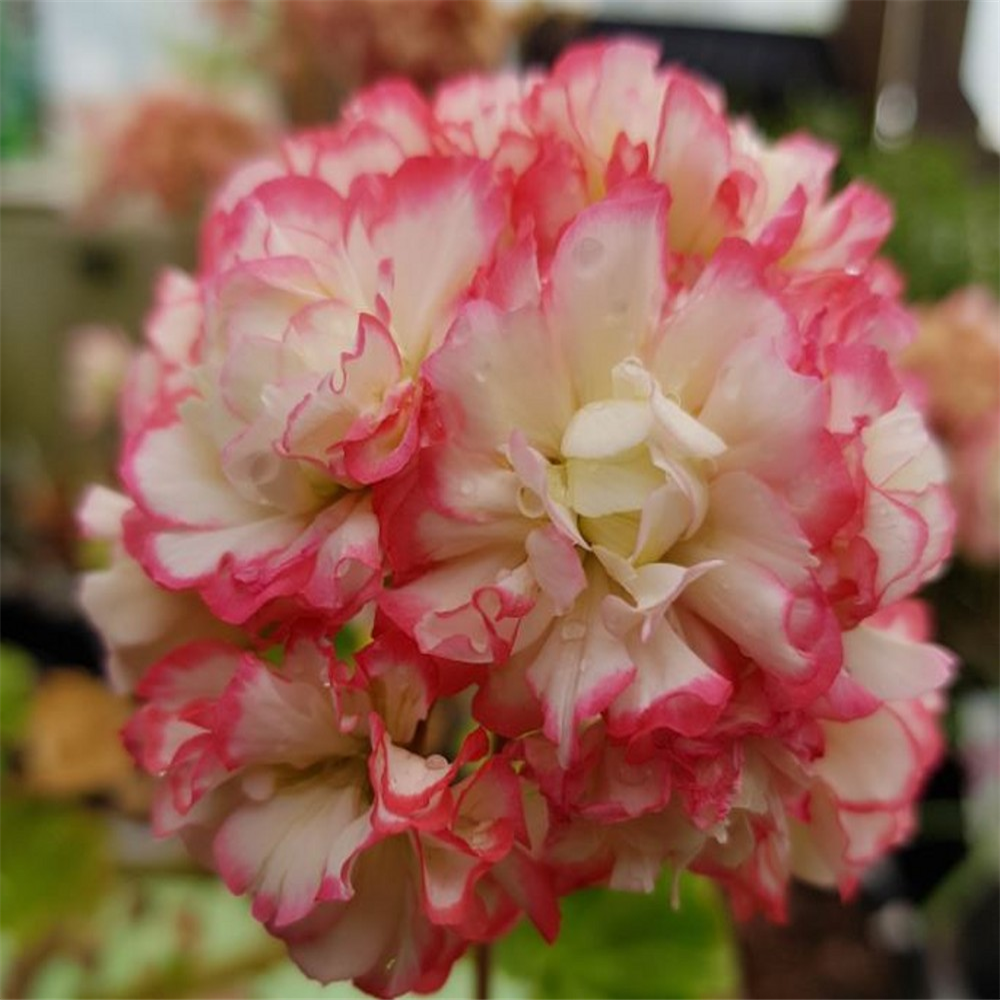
x=54, y=865
x=616, y=944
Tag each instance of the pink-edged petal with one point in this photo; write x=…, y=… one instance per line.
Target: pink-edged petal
x=728, y=304
x=456, y=503
x=607, y=285
x=174, y=327
x=871, y=762
x=893, y=666
x=542, y=490
x=505, y=702
x=530, y=886
x=468, y=608
x=377, y=448
x=339, y=156
x=550, y=194
x=188, y=557
x=673, y=687
x=578, y=668
x=845, y=232
x=139, y=621
x=294, y=848
x=457, y=201
x=604, y=785
x=181, y=692
x=398, y=109
x=764, y=596
x=286, y=217
x=484, y=388
x=266, y=718
x=174, y=473
x=514, y=283
x=489, y=814
x=380, y=937
x=346, y=561
x=401, y=683
x=475, y=113
x=692, y=157
x=412, y=791
x=101, y=511
x=449, y=878
x=190, y=675
x=259, y=299
x=555, y=564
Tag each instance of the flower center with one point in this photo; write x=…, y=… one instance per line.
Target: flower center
x=634, y=469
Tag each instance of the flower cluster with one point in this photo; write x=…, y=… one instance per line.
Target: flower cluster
x=582, y=396
x=955, y=361
x=168, y=151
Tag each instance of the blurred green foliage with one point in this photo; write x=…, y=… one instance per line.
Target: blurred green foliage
x=615, y=944
x=16, y=682
x=946, y=197
x=54, y=865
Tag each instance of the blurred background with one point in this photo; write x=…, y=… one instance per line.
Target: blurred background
x=117, y=120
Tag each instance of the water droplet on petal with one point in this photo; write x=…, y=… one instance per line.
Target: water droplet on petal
x=588, y=253
x=259, y=785
x=263, y=468
x=344, y=567
x=529, y=503
x=436, y=762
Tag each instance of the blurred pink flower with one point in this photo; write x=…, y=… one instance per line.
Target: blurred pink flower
x=322, y=52
x=956, y=361
x=173, y=150
x=96, y=360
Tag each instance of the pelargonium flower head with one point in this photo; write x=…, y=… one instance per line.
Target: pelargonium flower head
x=585, y=398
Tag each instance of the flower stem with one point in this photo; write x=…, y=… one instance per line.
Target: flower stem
x=483, y=962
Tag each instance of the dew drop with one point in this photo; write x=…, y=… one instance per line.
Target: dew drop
x=436, y=762
x=573, y=631
x=344, y=567
x=263, y=468
x=259, y=785
x=529, y=503
x=588, y=253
